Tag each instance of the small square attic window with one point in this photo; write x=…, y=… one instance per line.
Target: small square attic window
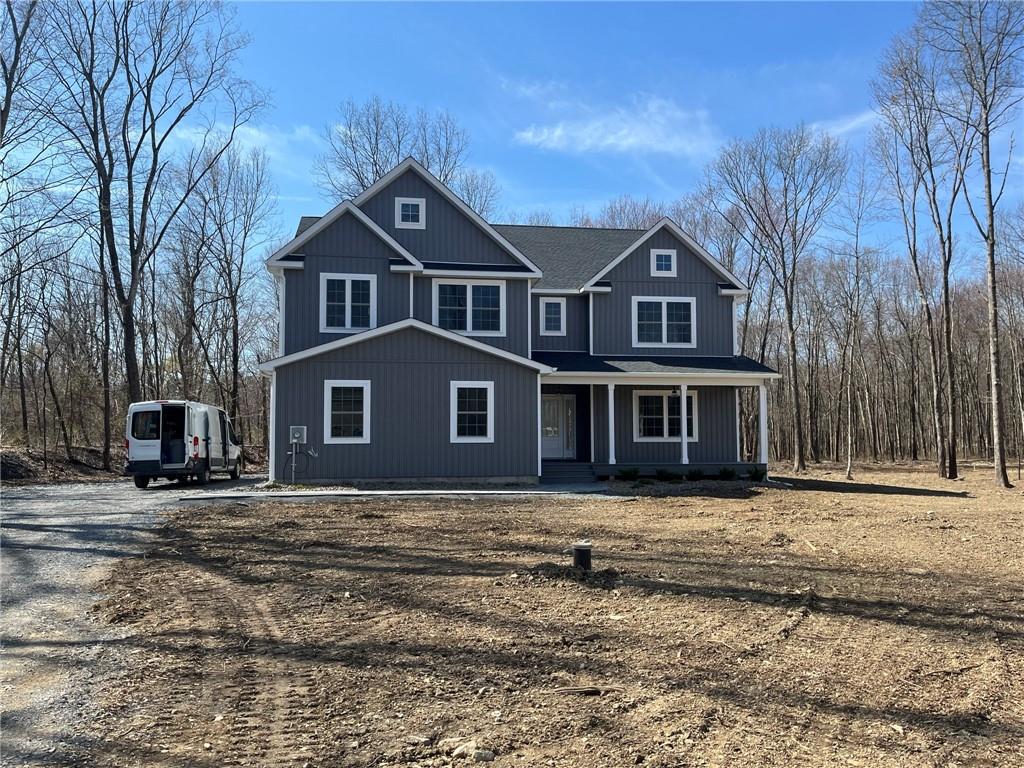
x=410, y=213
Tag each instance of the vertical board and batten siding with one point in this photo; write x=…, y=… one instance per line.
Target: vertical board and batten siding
x=613, y=312
x=716, y=428
x=577, y=325
x=449, y=234
x=410, y=373
x=345, y=246
x=516, y=297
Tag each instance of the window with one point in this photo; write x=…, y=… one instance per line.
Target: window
x=656, y=416
x=472, y=412
x=410, y=213
x=663, y=322
x=663, y=262
x=472, y=307
x=146, y=425
x=348, y=303
x=552, y=317
x=346, y=411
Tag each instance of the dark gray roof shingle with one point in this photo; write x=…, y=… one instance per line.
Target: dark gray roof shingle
x=568, y=256
x=305, y=222
x=583, y=363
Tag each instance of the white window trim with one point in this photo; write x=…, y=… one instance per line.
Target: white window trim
x=543, y=321
x=329, y=384
x=663, y=300
x=348, y=277
x=655, y=253
x=453, y=411
x=665, y=394
x=421, y=202
x=469, y=304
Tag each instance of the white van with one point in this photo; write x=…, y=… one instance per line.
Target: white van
x=179, y=439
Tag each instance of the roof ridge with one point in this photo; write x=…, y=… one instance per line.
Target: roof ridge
x=571, y=226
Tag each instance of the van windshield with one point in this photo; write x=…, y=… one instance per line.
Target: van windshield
x=146, y=425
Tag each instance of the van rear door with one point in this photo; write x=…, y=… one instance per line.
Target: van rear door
x=144, y=433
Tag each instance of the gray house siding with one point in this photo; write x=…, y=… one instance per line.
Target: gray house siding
x=345, y=246
x=577, y=325
x=516, y=293
x=632, y=277
x=716, y=428
x=449, y=234
x=410, y=373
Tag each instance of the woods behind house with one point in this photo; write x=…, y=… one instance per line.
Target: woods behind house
x=136, y=210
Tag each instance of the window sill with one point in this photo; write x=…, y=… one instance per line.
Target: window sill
x=664, y=345
x=346, y=441
x=552, y=333
x=456, y=440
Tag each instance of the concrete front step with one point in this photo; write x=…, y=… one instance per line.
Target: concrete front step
x=567, y=472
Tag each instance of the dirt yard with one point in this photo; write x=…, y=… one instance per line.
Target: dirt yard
x=875, y=623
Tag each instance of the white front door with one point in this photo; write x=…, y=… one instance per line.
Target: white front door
x=558, y=426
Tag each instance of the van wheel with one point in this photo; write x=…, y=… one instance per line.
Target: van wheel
x=236, y=471
x=141, y=481
x=203, y=475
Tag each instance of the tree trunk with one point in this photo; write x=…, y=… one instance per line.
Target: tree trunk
x=799, y=464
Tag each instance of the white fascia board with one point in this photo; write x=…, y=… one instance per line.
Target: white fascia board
x=323, y=222
x=401, y=325
x=411, y=164
x=460, y=273
x=676, y=230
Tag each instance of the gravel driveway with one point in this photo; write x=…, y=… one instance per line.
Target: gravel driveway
x=56, y=543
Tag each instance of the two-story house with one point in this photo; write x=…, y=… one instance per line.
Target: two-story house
x=419, y=341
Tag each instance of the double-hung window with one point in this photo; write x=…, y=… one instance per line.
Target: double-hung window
x=660, y=321
x=472, y=412
x=348, y=303
x=552, y=317
x=410, y=213
x=656, y=416
x=663, y=262
x=472, y=307
x=346, y=411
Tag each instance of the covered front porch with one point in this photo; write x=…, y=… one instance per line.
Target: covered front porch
x=601, y=416
x=601, y=428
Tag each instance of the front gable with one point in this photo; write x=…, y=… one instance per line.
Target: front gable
x=666, y=234
x=450, y=232
x=636, y=267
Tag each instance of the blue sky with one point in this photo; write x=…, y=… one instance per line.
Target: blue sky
x=566, y=103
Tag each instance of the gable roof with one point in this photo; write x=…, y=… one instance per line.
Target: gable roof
x=410, y=164
x=316, y=225
x=401, y=325
x=568, y=255
x=675, y=229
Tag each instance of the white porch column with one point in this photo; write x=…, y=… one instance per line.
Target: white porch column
x=684, y=451
x=762, y=412
x=611, y=423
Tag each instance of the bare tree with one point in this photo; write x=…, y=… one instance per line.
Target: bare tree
x=372, y=137
x=981, y=46
x=785, y=182
x=132, y=81
x=925, y=166
x=478, y=189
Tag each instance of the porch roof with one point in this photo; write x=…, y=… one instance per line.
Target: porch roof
x=568, y=363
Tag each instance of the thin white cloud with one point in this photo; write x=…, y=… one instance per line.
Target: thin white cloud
x=535, y=90
x=847, y=124
x=649, y=125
